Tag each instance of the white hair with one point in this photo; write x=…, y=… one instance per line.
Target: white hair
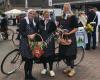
x=30, y=10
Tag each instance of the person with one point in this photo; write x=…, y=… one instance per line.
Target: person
x=47, y=27
x=92, y=18
x=82, y=19
x=4, y=26
x=69, y=52
x=27, y=27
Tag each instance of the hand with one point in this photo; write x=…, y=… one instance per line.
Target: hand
x=57, y=33
x=66, y=33
x=31, y=37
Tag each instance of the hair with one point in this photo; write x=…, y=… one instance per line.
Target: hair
x=46, y=11
x=69, y=7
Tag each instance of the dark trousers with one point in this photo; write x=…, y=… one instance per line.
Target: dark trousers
x=28, y=66
x=93, y=37
x=48, y=60
x=70, y=61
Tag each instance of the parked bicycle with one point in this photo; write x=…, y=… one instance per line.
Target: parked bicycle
x=14, y=60
x=10, y=33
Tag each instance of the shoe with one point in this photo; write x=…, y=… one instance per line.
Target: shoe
x=52, y=73
x=44, y=71
x=71, y=73
x=66, y=70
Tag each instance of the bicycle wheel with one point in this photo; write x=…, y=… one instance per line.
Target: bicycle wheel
x=10, y=34
x=11, y=62
x=80, y=56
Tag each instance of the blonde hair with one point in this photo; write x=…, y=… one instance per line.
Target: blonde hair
x=46, y=11
x=69, y=7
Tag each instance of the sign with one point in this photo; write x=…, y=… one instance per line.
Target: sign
x=57, y=12
x=81, y=37
x=49, y=2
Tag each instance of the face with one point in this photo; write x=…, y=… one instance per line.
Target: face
x=46, y=15
x=65, y=8
x=31, y=14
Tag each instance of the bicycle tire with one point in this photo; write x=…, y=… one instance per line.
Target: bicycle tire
x=81, y=54
x=80, y=59
x=12, y=62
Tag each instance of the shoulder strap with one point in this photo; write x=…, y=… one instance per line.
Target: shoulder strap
x=94, y=18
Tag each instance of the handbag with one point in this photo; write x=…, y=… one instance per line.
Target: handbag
x=37, y=47
x=64, y=40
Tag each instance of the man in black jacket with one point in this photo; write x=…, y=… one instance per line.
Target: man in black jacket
x=4, y=26
x=92, y=18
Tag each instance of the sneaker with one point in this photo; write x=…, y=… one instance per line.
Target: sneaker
x=71, y=73
x=52, y=73
x=44, y=71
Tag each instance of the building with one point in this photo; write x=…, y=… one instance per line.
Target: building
x=8, y=4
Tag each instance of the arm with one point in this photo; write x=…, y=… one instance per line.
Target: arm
x=72, y=31
x=25, y=30
x=74, y=25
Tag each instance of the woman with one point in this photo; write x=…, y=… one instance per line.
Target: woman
x=47, y=27
x=68, y=52
x=28, y=28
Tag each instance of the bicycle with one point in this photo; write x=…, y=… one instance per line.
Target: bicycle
x=16, y=59
x=10, y=33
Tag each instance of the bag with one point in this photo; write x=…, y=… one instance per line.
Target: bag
x=37, y=47
x=64, y=40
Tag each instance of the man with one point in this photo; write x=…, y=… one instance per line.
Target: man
x=4, y=27
x=92, y=18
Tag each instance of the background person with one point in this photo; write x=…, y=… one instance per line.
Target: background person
x=4, y=26
x=92, y=18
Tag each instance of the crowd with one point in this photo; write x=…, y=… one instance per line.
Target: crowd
x=45, y=24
